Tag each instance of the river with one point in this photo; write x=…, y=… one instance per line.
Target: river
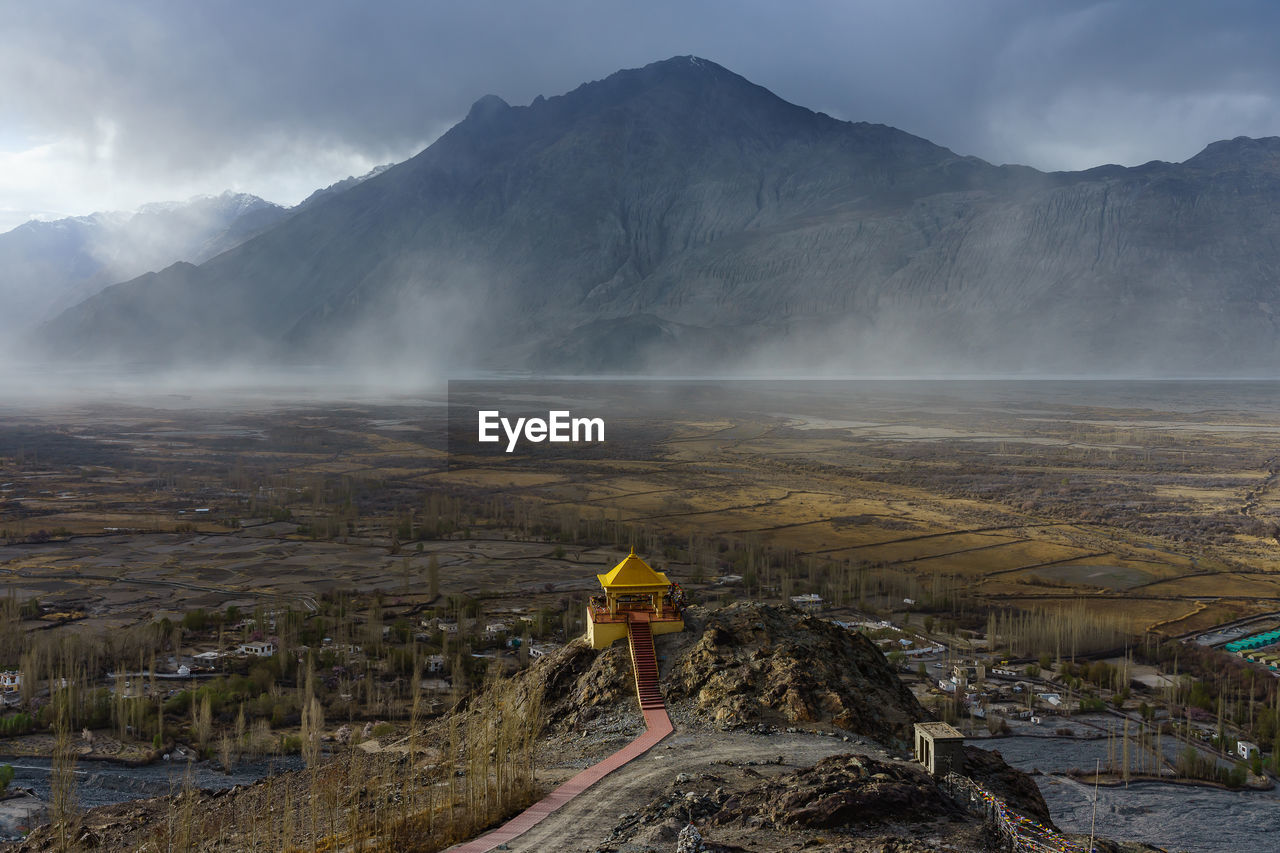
x=100, y=783
x=1175, y=817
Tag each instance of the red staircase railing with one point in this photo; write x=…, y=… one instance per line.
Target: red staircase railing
x=644, y=661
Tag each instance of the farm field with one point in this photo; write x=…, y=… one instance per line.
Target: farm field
x=1151, y=500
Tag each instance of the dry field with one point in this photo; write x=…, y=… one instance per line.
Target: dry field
x=1152, y=501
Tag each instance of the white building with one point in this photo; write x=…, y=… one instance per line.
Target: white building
x=808, y=601
x=10, y=681
x=260, y=648
x=1247, y=750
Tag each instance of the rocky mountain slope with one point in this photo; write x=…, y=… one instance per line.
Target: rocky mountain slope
x=47, y=267
x=678, y=215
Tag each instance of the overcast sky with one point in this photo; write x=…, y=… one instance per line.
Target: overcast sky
x=109, y=105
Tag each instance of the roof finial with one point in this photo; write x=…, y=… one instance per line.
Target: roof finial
x=633, y=550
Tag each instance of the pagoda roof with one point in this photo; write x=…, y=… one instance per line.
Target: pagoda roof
x=633, y=573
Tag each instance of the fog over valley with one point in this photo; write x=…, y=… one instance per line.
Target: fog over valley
x=677, y=217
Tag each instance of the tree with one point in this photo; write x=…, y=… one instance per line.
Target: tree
x=6, y=776
x=433, y=576
x=202, y=720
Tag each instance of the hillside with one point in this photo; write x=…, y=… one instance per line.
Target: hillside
x=789, y=731
x=678, y=214
x=47, y=267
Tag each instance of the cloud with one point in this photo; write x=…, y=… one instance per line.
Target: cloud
x=116, y=104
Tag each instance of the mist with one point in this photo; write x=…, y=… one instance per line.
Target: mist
x=672, y=219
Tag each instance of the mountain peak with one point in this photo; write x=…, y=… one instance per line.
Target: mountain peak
x=1240, y=151
x=487, y=107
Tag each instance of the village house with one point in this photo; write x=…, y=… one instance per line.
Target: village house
x=10, y=681
x=260, y=648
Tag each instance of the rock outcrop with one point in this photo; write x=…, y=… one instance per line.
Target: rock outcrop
x=743, y=664
x=838, y=792
x=760, y=663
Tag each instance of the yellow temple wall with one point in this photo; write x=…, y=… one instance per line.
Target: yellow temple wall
x=605, y=634
x=671, y=627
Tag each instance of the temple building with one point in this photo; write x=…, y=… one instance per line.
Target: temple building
x=633, y=593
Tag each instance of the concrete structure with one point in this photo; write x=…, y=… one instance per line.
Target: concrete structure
x=964, y=675
x=260, y=648
x=1246, y=749
x=808, y=601
x=10, y=681
x=940, y=748
x=632, y=591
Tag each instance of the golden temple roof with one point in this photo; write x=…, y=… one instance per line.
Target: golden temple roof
x=633, y=574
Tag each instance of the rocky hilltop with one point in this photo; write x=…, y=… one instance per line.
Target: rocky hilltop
x=746, y=664
x=679, y=212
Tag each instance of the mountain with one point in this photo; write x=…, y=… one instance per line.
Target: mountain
x=680, y=217
x=340, y=186
x=49, y=266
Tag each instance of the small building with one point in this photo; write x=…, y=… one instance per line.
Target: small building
x=10, y=681
x=940, y=748
x=259, y=648
x=633, y=592
x=435, y=664
x=808, y=601
x=1247, y=750
x=964, y=675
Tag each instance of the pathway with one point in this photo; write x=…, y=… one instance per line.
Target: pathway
x=658, y=726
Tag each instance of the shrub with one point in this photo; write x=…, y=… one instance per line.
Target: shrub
x=16, y=724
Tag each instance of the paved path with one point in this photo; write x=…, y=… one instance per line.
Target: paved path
x=658, y=726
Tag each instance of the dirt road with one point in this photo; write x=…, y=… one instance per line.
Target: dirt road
x=585, y=823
